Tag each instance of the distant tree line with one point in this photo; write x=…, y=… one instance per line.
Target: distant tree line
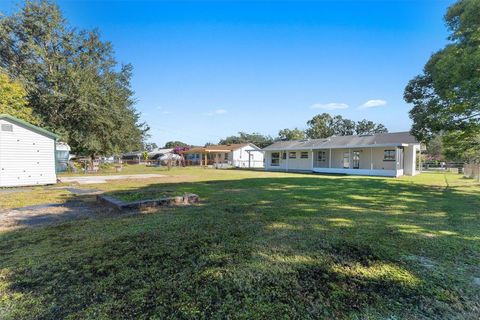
x=68, y=80
x=320, y=126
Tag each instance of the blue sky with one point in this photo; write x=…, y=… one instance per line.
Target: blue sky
x=205, y=70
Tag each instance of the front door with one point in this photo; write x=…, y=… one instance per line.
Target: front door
x=346, y=160
x=356, y=159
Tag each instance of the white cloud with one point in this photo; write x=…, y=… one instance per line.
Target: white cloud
x=373, y=104
x=217, y=111
x=330, y=106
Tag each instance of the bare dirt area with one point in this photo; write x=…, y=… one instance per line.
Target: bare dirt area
x=47, y=214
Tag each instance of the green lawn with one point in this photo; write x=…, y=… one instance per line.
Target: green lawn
x=259, y=245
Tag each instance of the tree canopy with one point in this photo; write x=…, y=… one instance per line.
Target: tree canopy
x=74, y=84
x=291, y=134
x=13, y=100
x=257, y=139
x=446, y=96
x=324, y=126
x=369, y=127
x=173, y=144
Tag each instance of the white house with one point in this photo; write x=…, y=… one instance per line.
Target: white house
x=242, y=155
x=385, y=154
x=27, y=153
x=163, y=155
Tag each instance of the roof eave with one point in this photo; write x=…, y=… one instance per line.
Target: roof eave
x=29, y=125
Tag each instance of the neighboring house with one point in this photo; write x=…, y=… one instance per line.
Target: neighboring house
x=27, y=153
x=243, y=155
x=132, y=157
x=163, y=155
x=385, y=154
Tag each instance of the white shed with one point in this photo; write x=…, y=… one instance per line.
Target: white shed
x=27, y=153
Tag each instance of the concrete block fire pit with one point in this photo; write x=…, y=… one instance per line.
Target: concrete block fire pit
x=186, y=199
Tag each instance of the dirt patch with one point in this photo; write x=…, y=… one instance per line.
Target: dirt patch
x=46, y=214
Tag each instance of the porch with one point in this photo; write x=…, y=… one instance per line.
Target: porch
x=207, y=158
x=374, y=161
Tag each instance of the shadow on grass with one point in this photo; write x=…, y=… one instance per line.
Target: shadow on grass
x=309, y=247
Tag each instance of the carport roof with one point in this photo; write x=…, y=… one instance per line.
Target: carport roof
x=335, y=142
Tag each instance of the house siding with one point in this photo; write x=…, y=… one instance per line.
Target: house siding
x=371, y=161
x=241, y=158
x=27, y=157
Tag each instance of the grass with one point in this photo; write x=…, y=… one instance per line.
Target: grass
x=13, y=198
x=260, y=245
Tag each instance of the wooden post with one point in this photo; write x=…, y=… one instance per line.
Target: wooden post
x=206, y=160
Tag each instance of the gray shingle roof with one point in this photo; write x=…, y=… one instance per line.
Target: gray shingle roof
x=380, y=139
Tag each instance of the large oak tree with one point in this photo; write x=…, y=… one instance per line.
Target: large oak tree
x=74, y=84
x=446, y=96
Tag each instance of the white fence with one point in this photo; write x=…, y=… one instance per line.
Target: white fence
x=471, y=170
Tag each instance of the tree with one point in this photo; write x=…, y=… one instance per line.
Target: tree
x=150, y=146
x=369, y=127
x=73, y=81
x=173, y=144
x=324, y=126
x=257, y=139
x=342, y=127
x=462, y=145
x=13, y=100
x=291, y=134
x=435, y=148
x=320, y=126
x=445, y=96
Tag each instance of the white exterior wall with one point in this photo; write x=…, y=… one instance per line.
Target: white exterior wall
x=297, y=164
x=371, y=162
x=26, y=157
x=240, y=158
x=410, y=154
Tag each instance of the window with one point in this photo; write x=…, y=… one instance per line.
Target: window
x=275, y=159
x=7, y=127
x=292, y=155
x=284, y=155
x=389, y=155
x=304, y=155
x=322, y=156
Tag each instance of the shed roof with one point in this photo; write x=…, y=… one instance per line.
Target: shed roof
x=379, y=140
x=29, y=125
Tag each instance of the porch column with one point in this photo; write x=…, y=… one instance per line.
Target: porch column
x=420, y=164
x=329, y=158
x=312, y=160
x=205, y=157
x=349, y=158
x=371, y=158
x=286, y=164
